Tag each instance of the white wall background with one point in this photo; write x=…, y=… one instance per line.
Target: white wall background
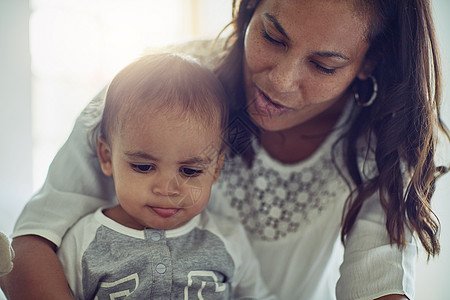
x=27, y=144
x=15, y=111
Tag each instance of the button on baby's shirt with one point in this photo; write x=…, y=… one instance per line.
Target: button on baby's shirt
x=155, y=236
x=160, y=268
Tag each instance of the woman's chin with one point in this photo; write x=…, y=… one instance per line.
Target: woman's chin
x=268, y=123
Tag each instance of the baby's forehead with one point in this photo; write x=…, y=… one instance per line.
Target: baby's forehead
x=181, y=130
x=203, y=115
x=193, y=124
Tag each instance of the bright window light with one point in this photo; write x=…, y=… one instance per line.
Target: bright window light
x=77, y=46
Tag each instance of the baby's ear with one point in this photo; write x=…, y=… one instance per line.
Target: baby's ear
x=219, y=166
x=105, y=156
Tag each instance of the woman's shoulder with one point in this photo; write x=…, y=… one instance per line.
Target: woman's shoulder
x=206, y=51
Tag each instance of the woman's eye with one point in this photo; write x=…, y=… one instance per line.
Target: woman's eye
x=323, y=69
x=142, y=168
x=189, y=172
x=269, y=38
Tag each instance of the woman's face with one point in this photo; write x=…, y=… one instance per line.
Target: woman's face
x=300, y=58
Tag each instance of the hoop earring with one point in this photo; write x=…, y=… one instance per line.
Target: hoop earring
x=372, y=97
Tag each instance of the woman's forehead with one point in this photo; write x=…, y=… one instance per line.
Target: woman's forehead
x=330, y=25
x=327, y=13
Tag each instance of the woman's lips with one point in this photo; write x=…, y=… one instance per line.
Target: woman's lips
x=165, y=212
x=265, y=106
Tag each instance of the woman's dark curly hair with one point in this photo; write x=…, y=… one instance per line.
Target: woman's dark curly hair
x=404, y=119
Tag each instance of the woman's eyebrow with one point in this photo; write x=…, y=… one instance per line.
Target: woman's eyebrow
x=331, y=54
x=327, y=54
x=277, y=24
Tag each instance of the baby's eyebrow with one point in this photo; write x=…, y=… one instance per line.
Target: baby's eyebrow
x=277, y=24
x=196, y=160
x=140, y=155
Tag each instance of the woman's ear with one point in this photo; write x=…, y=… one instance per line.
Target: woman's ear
x=104, y=156
x=367, y=68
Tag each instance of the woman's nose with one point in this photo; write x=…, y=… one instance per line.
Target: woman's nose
x=286, y=75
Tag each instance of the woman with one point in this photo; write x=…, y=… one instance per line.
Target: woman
x=334, y=114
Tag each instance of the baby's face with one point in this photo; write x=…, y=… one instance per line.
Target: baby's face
x=164, y=165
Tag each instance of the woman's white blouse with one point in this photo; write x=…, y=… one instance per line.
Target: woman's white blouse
x=292, y=214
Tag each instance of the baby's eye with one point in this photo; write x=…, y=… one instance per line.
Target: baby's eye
x=142, y=168
x=189, y=172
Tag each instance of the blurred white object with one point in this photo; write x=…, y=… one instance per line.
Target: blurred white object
x=6, y=255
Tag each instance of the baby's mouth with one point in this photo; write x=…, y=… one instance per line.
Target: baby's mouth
x=165, y=212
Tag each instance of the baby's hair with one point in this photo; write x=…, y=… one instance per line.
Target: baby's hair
x=165, y=82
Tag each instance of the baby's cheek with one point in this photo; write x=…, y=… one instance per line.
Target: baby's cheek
x=192, y=190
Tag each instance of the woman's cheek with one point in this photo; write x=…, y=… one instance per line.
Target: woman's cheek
x=255, y=48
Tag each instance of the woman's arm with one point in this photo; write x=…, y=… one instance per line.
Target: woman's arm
x=372, y=267
x=37, y=272
x=393, y=297
x=74, y=187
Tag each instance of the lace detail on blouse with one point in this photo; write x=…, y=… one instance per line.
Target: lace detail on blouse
x=274, y=200
x=272, y=203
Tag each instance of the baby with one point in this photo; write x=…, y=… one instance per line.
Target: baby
x=162, y=139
